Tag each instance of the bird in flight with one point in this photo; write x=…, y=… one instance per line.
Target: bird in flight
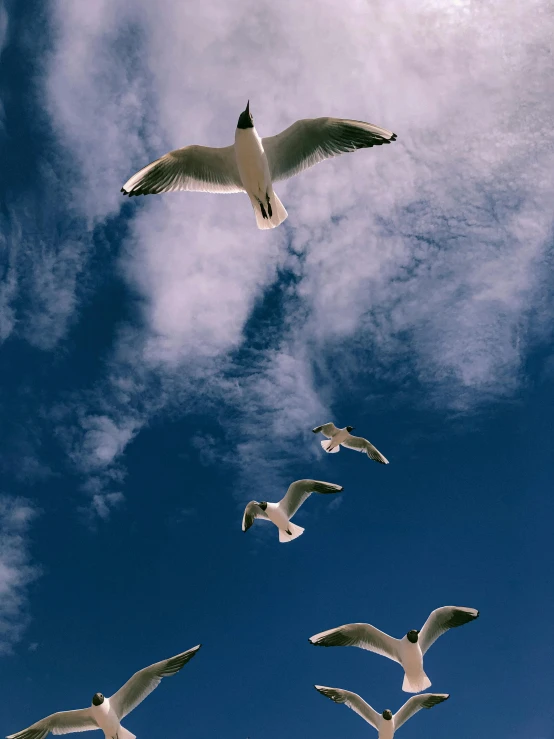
x=253, y=164
x=280, y=513
x=107, y=713
x=409, y=650
x=386, y=723
x=343, y=436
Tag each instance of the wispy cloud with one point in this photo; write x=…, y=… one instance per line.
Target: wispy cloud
x=16, y=568
x=424, y=258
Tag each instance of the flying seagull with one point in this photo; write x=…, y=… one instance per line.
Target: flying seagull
x=253, y=164
x=280, y=513
x=386, y=723
x=106, y=713
x=407, y=651
x=343, y=436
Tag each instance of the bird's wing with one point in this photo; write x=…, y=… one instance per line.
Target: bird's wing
x=328, y=430
x=302, y=489
x=415, y=704
x=442, y=619
x=145, y=681
x=363, y=445
x=359, y=635
x=312, y=140
x=353, y=701
x=199, y=168
x=63, y=722
x=251, y=512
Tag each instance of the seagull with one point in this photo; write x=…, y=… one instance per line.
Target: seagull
x=280, y=513
x=106, y=713
x=253, y=164
x=344, y=437
x=407, y=651
x=386, y=723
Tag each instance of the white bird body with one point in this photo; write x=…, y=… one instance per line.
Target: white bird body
x=336, y=440
x=411, y=659
x=281, y=513
x=386, y=728
x=253, y=164
x=107, y=719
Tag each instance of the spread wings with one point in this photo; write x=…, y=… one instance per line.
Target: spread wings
x=328, y=430
x=199, y=168
x=415, y=704
x=302, y=489
x=364, y=636
x=442, y=619
x=145, y=681
x=251, y=513
x=63, y=722
x=313, y=140
x=353, y=701
x=363, y=445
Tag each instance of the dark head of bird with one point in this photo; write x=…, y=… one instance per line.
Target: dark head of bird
x=413, y=636
x=97, y=699
x=387, y=715
x=245, y=118
x=263, y=505
x=350, y=428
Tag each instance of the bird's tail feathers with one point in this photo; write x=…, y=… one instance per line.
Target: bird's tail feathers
x=415, y=683
x=278, y=213
x=326, y=443
x=295, y=532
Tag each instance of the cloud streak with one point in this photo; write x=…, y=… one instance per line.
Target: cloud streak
x=16, y=568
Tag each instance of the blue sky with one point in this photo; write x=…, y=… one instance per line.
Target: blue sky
x=163, y=363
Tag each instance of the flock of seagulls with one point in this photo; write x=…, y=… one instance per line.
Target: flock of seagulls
x=252, y=165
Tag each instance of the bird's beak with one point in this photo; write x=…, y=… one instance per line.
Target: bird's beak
x=248, y=107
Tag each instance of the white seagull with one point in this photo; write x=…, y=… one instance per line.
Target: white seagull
x=407, y=651
x=280, y=513
x=107, y=713
x=343, y=436
x=253, y=164
x=386, y=723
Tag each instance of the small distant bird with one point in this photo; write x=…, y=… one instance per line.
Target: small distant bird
x=343, y=436
x=107, y=713
x=253, y=164
x=386, y=723
x=280, y=513
x=407, y=651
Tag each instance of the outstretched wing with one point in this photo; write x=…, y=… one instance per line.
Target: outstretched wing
x=442, y=619
x=251, y=512
x=353, y=701
x=363, y=445
x=145, y=681
x=199, y=168
x=328, y=430
x=415, y=704
x=312, y=140
x=302, y=489
x=364, y=636
x=63, y=722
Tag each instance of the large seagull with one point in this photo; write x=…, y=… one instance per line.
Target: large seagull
x=280, y=513
x=253, y=164
x=409, y=650
x=386, y=723
x=107, y=713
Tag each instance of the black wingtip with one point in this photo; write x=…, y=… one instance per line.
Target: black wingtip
x=393, y=137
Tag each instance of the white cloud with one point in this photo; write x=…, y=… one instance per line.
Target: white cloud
x=425, y=257
x=16, y=568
